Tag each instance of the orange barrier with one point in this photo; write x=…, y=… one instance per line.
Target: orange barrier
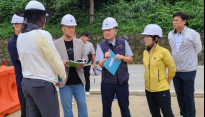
x=9, y=101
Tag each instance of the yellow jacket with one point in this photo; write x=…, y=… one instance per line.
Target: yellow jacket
x=155, y=69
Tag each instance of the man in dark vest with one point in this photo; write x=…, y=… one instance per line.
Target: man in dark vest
x=114, y=84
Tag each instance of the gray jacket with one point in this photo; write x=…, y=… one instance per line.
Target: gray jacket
x=186, y=59
x=79, y=54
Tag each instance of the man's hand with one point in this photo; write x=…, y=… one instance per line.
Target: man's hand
x=81, y=65
x=65, y=64
x=60, y=83
x=107, y=54
x=94, y=65
x=170, y=80
x=119, y=57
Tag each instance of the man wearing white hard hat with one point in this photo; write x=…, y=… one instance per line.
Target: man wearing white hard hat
x=17, y=24
x=71, y=48
x=114, y=84
x=156, y=59
x=41, y=62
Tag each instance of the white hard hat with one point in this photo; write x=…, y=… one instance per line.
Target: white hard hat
x=109, y=23
x=34, y=5
x=152, y=30
x=68, y=20
x=17, y=19
x=95, y=72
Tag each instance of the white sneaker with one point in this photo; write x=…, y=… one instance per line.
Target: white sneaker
x=87, y=94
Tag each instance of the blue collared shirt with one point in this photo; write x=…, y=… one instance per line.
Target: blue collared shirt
x=100, y=54
x=14, y=58
x=178, y=41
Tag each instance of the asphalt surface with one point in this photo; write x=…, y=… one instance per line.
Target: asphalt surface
x=138, y=104
x=137, y=82
x=138, y=107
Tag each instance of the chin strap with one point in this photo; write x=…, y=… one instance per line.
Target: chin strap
x=43, y=22
x=21, y=28
x=149, y=48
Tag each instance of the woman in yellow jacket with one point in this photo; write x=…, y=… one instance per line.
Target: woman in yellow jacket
x=156, y=59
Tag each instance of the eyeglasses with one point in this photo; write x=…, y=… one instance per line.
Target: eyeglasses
x=176, y=20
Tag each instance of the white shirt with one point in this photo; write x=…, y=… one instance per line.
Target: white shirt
x=89, y=50
x=39, y=57
x=178, y=41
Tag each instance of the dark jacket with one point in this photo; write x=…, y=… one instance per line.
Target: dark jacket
x=122, y=74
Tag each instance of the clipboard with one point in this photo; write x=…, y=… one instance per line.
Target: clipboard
x=111, y=65
x=75, y=63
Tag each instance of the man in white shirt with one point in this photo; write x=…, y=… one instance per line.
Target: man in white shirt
x=40, y=61
x=90, y=50
x=186, y=45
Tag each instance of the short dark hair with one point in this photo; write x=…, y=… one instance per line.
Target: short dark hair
x=85, y=33
x=181, y=14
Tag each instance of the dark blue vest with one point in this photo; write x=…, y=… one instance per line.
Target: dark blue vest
x=122, y=74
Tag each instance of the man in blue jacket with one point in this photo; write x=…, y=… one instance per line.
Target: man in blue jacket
x=17, y=23
x=118, y=83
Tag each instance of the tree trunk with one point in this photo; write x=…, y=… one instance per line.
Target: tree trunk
x=91, y=11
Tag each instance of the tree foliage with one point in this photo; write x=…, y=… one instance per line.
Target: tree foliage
x=132, y=15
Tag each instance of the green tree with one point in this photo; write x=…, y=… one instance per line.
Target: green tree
x=58, y=4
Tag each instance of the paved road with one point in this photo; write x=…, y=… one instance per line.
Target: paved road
x=138, y=107
x=138, y=104
x=136, y=81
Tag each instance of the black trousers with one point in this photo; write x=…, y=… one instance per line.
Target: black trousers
x=160, y=100
x=87, y=77
x=184, y=86
x=41, y=98
x=22, y=100
x=108, y=93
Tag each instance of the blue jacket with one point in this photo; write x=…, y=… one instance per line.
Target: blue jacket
x=14, y=58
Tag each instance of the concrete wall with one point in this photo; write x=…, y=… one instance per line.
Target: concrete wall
x=135, y=41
